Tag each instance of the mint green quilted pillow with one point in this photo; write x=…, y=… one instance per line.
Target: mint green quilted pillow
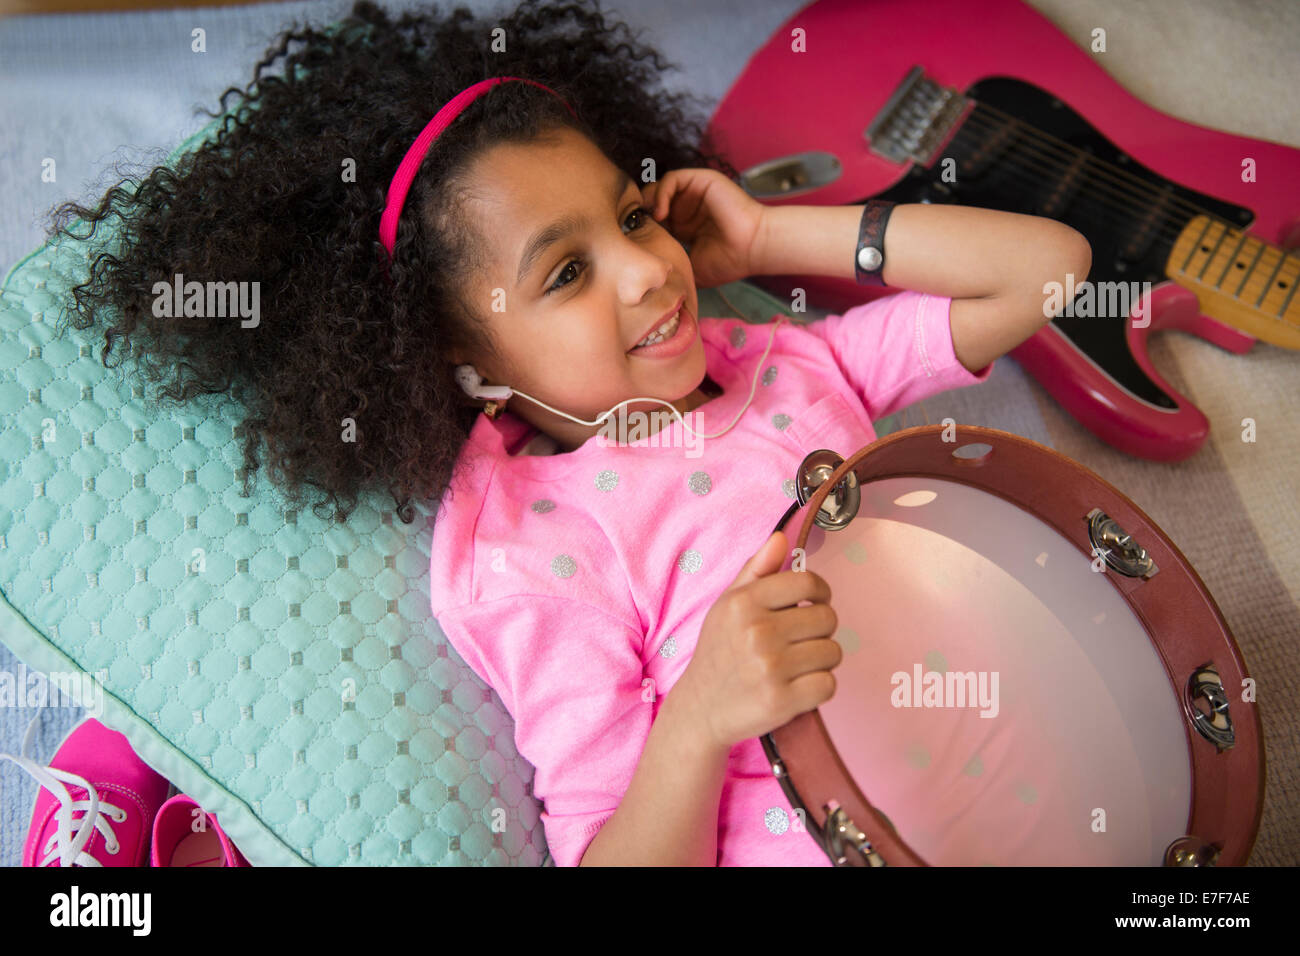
x=285, y=672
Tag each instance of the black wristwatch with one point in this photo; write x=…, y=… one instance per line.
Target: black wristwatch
x=869, y=257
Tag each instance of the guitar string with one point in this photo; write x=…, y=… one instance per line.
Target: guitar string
x=1095, y=211
x=1138, y=188
x=1276, y=256
x=1117, y=174
x=1177, y=228
x=1271, y=263
x=981, y=119
x=1129, y=202
x=1099, y=196
x=1242, y=288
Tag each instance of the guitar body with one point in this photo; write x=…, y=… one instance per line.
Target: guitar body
x=1037, y=128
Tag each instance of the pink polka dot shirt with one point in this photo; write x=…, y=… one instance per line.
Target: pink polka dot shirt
x=575, y=584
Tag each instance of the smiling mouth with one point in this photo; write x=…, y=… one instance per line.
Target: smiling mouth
x=663, y=332
x=665, y=329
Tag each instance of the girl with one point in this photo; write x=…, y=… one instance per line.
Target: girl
x=451, y=216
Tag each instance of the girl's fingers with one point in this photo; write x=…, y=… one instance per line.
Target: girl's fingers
x=657, y=203
x=662, y=194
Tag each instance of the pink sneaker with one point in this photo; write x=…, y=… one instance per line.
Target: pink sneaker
x=185, y=835
x=116, y=793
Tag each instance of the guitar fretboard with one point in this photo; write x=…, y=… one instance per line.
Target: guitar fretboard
x=1240, y=280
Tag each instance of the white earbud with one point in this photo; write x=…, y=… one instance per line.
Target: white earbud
x=472, y=384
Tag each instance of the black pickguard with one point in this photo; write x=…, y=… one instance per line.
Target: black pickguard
x=1000, y=165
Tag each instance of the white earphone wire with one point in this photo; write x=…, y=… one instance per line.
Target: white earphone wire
x=600, y=419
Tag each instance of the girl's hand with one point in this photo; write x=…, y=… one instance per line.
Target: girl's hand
x=764, y=654
x=718, y=219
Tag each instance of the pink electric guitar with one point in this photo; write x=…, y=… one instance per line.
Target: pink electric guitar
x=987, y=104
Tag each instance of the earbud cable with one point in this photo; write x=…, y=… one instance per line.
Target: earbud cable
x=605, y=415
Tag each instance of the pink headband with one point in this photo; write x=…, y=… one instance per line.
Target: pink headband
x=405, y=175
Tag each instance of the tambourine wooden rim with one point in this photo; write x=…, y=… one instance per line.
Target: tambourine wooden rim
x=1180, y=617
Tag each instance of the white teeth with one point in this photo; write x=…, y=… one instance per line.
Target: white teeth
x=664, y=331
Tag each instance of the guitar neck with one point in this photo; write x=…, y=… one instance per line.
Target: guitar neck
x=1242, y=281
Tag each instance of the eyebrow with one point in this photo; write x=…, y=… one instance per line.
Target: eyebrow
x=563, y=228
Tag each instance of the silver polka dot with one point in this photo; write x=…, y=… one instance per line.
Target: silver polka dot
x=788, y=487
x=669, y=648
x=690, y=561
x=769, y=376
x=563, y=566
x=607, y=480
x=777, y=820
x=738, y=336
x=700, y=483
x=781, y=421
x=543, y=505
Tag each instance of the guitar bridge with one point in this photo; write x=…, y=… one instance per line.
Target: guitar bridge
x=917, y=120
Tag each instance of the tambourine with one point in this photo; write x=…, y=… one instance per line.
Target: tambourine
x=1033, y=674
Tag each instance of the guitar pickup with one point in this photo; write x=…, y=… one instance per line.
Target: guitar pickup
x=1065, y=188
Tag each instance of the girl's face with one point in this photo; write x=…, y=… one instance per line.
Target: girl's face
x=568, y=312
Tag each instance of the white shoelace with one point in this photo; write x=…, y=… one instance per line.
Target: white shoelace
x=65, y=846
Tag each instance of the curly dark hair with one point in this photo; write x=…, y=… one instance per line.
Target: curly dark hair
x=266, y=200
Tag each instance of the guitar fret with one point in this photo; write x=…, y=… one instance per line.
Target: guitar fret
x=1274, y=320
x=1269, y=284
x=1192, y=251
x=1258, y=252
x=1231, y=259
x=1287, y=301
x=1213, y=252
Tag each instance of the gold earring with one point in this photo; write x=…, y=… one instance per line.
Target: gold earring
x=493, y=409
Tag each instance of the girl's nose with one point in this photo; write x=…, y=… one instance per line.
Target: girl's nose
x=646, y=273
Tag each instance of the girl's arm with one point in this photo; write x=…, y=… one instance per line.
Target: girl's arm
x=669, y=814
x=992, y=264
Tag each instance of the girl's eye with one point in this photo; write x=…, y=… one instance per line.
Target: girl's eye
x=646, y=214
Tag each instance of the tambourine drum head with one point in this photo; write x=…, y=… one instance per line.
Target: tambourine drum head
x=1043, y=729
